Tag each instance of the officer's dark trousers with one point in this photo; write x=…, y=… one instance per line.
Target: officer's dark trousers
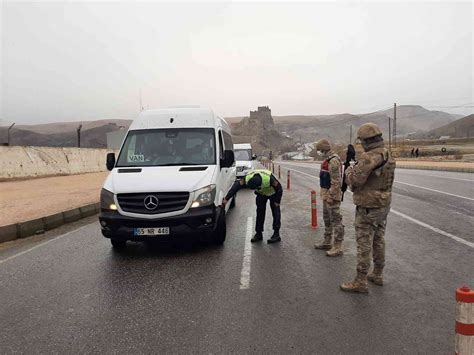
x=261, y=201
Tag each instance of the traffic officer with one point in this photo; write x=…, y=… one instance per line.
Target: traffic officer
x=370, y=180
x=267, y=188
x=330, y=180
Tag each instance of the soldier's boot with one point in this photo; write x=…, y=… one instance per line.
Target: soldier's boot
x=257, y=237
x=326, y=244
x=359, y=284
x=336, y=249
x=376, y=276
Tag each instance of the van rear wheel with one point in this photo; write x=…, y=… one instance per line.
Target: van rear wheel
x=221, y=230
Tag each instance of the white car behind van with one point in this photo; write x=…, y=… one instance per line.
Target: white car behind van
x=174, y=168
x=244, y=159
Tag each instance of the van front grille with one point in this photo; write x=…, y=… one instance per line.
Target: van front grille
x=153, y=202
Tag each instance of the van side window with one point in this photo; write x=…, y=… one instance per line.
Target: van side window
x=229, y=144
x=221, y=145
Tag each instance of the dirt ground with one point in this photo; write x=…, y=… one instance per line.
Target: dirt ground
x=29, y=199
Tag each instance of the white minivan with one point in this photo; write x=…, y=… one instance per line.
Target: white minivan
x=244, y=159
x=174, y=168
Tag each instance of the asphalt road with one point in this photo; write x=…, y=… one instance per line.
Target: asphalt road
x=68, y=291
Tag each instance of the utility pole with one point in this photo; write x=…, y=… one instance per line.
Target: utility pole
x=395, y=124
x=350, y=136
x=8, y=133
x=389, y=134
x=79, y=136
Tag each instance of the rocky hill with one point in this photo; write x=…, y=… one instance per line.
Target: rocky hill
x=264, y=131
x=410, y=119
x=94, y=137
x=461, y=128
x=62, y=127
x=259, y=130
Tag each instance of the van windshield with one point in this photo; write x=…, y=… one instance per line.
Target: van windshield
x=165, y=147
x=243, y=154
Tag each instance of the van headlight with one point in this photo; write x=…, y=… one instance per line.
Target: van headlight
x=107, y=200
x=204, y=196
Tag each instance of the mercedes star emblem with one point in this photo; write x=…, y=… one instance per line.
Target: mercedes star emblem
x=151, y=202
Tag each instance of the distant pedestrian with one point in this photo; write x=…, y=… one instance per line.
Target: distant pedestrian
x=330, y=179
x=417, y=152
x=412, y=152
x=370, y=180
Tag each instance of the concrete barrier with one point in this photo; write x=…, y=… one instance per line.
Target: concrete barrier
x=29, y=162
x=42, y=224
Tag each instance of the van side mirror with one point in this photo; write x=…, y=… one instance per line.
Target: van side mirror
x=254, y=157
x=110, y=161
x=228, y=160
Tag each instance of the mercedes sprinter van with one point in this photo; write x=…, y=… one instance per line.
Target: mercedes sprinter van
x=244, y=159
x=173, y=170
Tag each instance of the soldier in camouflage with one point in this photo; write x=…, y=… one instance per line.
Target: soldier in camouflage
x=330, y=178
x=370, y=180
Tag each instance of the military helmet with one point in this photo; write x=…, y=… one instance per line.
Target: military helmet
x=323, y=145
x=368, y=130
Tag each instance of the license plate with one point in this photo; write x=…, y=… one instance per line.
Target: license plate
x=151, y=231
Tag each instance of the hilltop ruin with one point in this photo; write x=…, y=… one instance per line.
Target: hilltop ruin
x=259, y=130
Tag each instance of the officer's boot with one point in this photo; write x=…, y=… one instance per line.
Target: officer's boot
x=326, y=244
x=359, y=284
x=376, y=276
x=257, y=237
x=275, y=237
x=336, y=249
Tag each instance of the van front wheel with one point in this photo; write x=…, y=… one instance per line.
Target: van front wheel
x=118, y=244
x=221, y=230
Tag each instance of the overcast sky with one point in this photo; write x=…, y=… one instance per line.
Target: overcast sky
x=64, y=61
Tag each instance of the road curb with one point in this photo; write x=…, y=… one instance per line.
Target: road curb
x=40, y=225
x=437, y=168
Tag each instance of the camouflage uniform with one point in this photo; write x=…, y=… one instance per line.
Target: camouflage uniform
x=371, y=181
x=331, y=180
x=332, y=202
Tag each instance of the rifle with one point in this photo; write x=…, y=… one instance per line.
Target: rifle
x=350, y=155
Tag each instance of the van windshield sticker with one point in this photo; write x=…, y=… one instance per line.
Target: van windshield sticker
x=136, y=157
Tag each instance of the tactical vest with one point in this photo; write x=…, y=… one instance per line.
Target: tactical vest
x=324, y=176
x=381, y=178
x=266, y=188
x=377, y=191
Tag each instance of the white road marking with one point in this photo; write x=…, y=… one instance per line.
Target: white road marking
x=246, y=262
x=434, y=229
x=404, y=183
x=420, y=223
x=441, y=192
x=436, y=176
x=402, y=171
x=300, y=172
x=42, y=244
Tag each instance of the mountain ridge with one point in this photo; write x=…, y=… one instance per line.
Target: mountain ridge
x=411, y=119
